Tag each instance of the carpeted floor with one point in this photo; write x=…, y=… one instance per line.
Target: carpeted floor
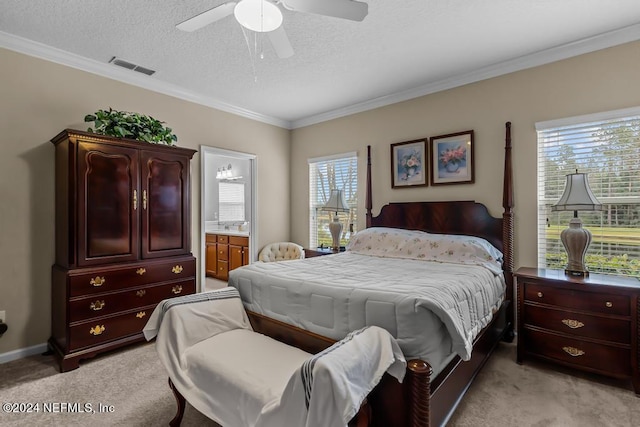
x=132, y=385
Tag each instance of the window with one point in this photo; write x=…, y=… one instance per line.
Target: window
x=326, y=174
x=231, y=201
x=607, y=147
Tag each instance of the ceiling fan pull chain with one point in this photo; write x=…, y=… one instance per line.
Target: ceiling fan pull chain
x=251, y=55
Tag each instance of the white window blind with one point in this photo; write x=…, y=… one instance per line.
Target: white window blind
x=326, y=174
x=606, y=147
x=231, y=201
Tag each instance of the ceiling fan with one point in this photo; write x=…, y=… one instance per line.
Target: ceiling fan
x=265, y=16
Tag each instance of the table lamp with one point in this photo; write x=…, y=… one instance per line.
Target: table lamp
x=336, y=203
x=577, y=196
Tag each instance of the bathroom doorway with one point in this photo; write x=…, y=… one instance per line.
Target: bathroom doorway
x=227, y=204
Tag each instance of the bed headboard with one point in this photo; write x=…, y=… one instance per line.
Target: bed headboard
x=459, y=217
x=455, y=217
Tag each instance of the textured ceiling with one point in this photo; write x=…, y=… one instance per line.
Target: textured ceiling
x=401, y=47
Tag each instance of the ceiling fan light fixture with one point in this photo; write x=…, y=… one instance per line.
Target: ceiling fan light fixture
x=260, y=16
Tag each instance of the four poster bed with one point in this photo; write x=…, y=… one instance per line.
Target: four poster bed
x=435, y=277
x=430, y=391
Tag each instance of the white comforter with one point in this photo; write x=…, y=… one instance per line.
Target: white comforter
x=431, y=308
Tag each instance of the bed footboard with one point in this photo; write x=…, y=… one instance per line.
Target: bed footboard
x=421, y=400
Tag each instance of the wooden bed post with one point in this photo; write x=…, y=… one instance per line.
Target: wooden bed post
x=507, y=226
x=368, y=201
x=419, y=378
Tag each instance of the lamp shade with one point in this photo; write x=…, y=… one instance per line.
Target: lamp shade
x=577, y=195
x=336, y=202
x=260, y=16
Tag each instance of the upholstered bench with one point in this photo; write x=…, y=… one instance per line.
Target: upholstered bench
x=238, y=377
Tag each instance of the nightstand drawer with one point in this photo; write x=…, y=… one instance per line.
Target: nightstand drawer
x=567, y=298
x=597, y=357
x=578, y=324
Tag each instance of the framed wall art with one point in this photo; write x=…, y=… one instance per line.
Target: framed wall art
x=409, y=164
x=452, y=158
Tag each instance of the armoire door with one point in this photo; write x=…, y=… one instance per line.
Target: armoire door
x=166, y=213
x=108, y=203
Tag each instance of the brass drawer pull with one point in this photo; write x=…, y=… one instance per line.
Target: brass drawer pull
x=97, y=305
x=97, y=281
x=141, y=292
x=573, y=324
x=177, y=269
x=609, y=304
x=141, y=314
x=540, y=295
x=141, y=271
x=176, y=289
x=144, y=200
x=135, y=200
x=97, y=330
x=572, y=351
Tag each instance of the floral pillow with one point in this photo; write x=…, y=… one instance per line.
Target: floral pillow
x=413, y=244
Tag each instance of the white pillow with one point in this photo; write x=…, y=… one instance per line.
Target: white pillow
x=413, y=244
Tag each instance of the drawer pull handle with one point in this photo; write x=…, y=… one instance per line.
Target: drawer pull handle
x=141, y=271
x=141, y=314
x=572, y=351
x=97, y=281
x=97, y=305
x=540, y=295
x=177, y=269
x=135, y=200
x=144, y=200
x=573, y=324
x=97, y=330
x=609, y=304
x=176, y=289
x=141, y=292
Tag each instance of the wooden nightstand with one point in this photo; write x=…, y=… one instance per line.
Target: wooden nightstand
x=310, y=253
x=589, y=323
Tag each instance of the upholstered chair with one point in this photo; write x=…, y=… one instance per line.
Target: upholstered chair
x=281, y=251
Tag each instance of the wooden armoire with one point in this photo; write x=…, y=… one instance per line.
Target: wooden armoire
x=123, y=240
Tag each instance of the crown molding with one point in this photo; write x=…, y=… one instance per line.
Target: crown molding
x=48, y=53
x=590, y=44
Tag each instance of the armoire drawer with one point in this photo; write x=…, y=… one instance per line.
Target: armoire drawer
x=139, y=274
x=99, y=305
x=98, y=331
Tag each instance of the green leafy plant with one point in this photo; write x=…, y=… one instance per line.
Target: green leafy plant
x=124, y=124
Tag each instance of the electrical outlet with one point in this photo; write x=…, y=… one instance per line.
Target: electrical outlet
x=3, y=316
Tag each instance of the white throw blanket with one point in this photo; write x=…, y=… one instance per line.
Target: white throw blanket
x=241, y=378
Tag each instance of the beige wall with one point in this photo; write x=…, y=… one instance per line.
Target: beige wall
x=38, y=99
x=595, y=82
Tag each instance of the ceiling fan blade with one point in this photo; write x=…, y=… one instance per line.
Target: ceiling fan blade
x=346, y=9
x=208, y=17
x=280, y=43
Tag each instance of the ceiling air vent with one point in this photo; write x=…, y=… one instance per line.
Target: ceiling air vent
x=129, y=66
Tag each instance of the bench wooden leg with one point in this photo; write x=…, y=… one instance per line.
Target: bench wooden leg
x=175, y=422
